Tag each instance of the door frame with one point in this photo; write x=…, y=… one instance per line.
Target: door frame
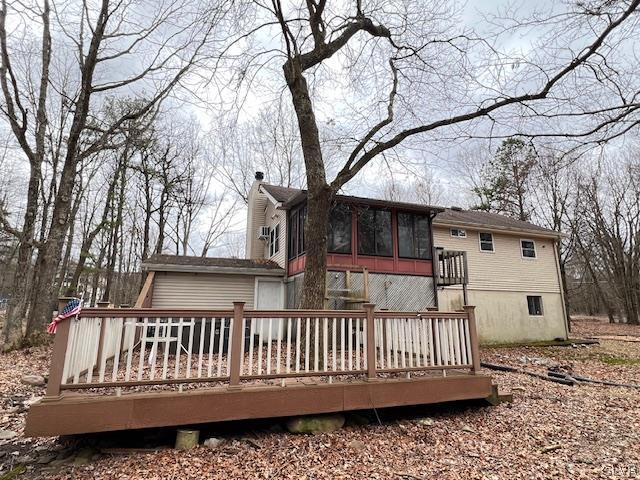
x=259, y=280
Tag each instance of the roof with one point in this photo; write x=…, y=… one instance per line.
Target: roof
x=477, y=218
x=182, y=263
x=289, y=197
x=280, y=194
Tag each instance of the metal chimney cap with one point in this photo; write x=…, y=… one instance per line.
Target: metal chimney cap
x=259, y=176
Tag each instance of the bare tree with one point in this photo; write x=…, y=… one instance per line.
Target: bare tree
x=167, y=39
x=395, y=36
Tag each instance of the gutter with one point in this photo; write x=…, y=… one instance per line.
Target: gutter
x=157, y=267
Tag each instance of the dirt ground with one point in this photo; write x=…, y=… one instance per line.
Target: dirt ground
x=549, y=431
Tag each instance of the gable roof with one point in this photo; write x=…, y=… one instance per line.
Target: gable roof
x=280, y=194
x=181, y=263
x=290, y=197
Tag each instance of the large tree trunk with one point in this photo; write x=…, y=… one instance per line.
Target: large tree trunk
x=320, y=195
x=50, y=255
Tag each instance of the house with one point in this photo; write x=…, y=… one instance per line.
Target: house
x=220, y=339
x=396, y=255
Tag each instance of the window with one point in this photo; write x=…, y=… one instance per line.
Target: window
x=458, y=233
x=374, y=232
x=486, y=242
x=534, y=302
x=414, y=237
x=339, y=235
x=274, y=240
x=296, y=232
x=528, y=248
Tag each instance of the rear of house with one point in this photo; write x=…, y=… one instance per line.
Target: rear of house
x=399, y=256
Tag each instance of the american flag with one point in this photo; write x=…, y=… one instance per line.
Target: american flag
x=71, y=309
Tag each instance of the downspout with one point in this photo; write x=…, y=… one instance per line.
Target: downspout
x=556, y=245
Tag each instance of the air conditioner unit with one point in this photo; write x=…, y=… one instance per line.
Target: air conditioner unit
x=263, y=233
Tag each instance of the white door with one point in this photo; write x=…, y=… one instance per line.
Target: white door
x=269, y=296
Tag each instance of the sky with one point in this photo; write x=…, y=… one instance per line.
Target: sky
x=347, y=100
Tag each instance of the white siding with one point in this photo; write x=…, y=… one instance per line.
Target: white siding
x=504, y=269
x=202, y=290
x=255, y=219
x=280, y=217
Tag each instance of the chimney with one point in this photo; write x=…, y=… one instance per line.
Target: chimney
x=259, y=176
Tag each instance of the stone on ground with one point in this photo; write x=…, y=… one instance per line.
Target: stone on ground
x=315, y=424
x=33, y=380
x=186, y=439
x=213, y=442
x=7, y=434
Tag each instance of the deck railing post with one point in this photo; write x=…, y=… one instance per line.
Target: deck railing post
x=371, y=341
x=473, y=338
x=236, y=344
x=59, y=352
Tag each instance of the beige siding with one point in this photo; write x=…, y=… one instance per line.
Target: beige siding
x=505, y=269
x=202, y=290
x=279, y=217
x=503, y=317
x=255, y=219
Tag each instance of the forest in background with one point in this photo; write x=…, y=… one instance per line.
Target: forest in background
x=104, y=161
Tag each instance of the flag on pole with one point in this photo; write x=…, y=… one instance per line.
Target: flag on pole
x=71, y=309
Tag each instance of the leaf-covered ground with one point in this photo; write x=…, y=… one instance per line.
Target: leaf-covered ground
x=549, y=431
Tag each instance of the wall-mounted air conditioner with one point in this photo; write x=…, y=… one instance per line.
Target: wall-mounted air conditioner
x=263, y=233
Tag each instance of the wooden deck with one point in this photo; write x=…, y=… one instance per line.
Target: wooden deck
x=115, y=369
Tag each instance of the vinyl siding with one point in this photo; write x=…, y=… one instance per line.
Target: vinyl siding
x=503, y=317
x=271, y=211
x=504, y=269
x=255, y=219
x=202, y=290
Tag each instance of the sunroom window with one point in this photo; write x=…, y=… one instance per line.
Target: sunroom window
x=414, y=239
x=339, y=235
x=374, y=232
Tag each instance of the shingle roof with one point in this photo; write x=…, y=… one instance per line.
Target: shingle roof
x=281, y=194
x=446, y=216
x=162, y=261
x=488, y=220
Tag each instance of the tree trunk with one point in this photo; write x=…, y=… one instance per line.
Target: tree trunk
x=19, y=296
x=50, y=255
x=320, y=195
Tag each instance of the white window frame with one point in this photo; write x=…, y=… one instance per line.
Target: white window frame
x=459, y=230
x=493, y=244
x=535, y=249
x=274, y=240
x=541, y=306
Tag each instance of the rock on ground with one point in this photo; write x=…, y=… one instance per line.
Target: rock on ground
x=315, y=424
x=34, y=380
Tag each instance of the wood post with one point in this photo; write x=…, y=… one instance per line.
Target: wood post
x=473, y=338
x=371, y=341
x=59, y=352
x=236, y=344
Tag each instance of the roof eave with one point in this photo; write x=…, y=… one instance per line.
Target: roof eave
x=167, y=267
x=477, y=226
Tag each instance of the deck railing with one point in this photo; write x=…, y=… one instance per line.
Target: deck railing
x=451, y=267
x=153, y=347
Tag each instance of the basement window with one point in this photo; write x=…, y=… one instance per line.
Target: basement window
x=486, y=242
x=534, y=302
x=458, y=233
